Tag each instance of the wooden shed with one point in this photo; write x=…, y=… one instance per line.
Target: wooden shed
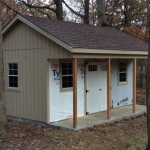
x=57, y=70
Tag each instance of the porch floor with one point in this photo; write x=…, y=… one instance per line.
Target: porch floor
x=99, y=118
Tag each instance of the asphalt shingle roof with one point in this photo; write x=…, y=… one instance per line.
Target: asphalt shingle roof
x=87, y=36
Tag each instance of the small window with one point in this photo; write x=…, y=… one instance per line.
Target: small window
x=67, y=77
x=92, y=67
x=13, y=75
x=122, y=72
x=104, y=68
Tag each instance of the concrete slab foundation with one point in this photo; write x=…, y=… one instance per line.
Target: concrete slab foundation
x=99, y=118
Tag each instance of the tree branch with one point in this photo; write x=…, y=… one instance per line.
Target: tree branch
x=10, y=7
x=43, y=13
x=38, y=7
x=78, y=14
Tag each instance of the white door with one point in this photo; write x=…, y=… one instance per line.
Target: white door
x=96, y=87
x=103, y=86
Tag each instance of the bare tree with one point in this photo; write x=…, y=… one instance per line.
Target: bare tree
x=3, y=120
x=124, y=13
x=55, y=6
x=85, y=16
x=101, y=12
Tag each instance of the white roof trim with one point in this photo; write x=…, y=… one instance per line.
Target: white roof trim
x=102, y=51
x=48, y=35
x=105, y=56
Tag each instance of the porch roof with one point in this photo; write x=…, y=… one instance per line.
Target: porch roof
x=82, y=38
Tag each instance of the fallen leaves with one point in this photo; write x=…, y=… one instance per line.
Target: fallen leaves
x=127, y=133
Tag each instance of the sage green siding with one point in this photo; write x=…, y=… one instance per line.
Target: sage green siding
x=31, y=49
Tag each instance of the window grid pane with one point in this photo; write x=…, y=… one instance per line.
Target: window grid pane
x=122, y=72
x=13, y=75
x=67, y=78
x=92, y=67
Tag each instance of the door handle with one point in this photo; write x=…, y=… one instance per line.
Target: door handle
x=100, y=89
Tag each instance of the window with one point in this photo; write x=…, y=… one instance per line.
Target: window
x=92, y=67
x=13, y=75
x=122, y=68
x=66, y=76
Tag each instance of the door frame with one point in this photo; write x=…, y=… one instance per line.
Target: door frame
x=85, y=79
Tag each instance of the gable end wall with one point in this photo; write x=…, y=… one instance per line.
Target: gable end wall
x=31, y=50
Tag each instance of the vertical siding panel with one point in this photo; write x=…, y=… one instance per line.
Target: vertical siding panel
x=65, y=53
x=35, y=78
x=23, y=71
x=28, y=73
x=11, y=57
x=13, y=102
x=61, y=50
x=18, y=93
x=5, y=42
x=19, y=73
x=13, y=54
x=8, y=92
x=56, y=51
x=32, y=77
x=51, y=48
x=4, y=57
x=17, y=58
x=39, y=76
x=48, y=49
x=25, y=97
x=69, y=55
x=20, y=51
x=44, y=98
x=42, y=78
x=5, y=75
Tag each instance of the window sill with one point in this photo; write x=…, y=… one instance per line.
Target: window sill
x=66, y=89
x=122, y=83
x=13, y=89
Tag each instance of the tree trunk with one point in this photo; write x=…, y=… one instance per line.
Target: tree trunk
x=86, y=11
x=3, y=120
x=59, y=9
x=148, y=78
x=101, y=12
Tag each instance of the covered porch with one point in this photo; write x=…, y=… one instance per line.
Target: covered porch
x=117, y=114
x=110, y=114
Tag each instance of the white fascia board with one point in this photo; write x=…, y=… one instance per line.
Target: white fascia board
x=37, y=29
x=102, y=51
x=105, y=56
x=10, y=24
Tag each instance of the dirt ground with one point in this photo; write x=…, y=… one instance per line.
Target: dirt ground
x=128, y=134
x=141, y=96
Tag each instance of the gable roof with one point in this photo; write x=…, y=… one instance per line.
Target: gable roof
x=83, y=38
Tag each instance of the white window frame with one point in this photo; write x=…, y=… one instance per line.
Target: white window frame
x=61, y=88
x=123, y=82
x=8, y=88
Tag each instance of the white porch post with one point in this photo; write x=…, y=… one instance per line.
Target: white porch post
x=109, y=93
x=134, y=85
x=74, y=92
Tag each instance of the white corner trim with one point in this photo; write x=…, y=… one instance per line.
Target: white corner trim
x=103, y=51
x=37, y=29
